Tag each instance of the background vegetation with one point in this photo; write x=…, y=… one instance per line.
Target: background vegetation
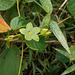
x=53, y=54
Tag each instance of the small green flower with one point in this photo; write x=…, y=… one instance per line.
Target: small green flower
x=30, y=32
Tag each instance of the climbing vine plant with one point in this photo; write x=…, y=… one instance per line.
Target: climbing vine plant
x=28, y=25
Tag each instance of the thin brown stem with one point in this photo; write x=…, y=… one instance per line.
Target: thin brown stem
x=55, y=14
x=20, y=41
x=62, y=21
x=25, y=49
x=3, y=39
x=56, y=41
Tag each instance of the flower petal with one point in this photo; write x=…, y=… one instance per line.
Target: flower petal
x=35, y=37
x=29, y=26
x=28, y=37
x=23, y=31
x=36, y=30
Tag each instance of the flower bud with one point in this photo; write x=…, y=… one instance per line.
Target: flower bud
x=43, y=31
x=47, y=33
x=10, y=37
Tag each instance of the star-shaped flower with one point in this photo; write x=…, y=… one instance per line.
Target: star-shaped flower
x=30, y=32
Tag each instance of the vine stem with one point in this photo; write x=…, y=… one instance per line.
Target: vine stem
x=21, y=60
x=20, y=41
x=25, y=49
x=63, y=4
x=64, y=20
x=18, y=8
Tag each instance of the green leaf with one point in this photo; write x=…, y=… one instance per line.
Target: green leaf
x=40, y=46
x=72, y=50
x=10, y=61
x=18, y=22
x=71, y=7
x=45, y=22
x=59, y=35
x=68, y=70
x=62, y=55
x=62, y=52
x=47, y=5
x=6, y=4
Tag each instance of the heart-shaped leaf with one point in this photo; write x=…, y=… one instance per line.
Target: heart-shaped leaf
x=6, y=4
x=10, y=61
x=3, y=25
x=40, y=46
x=18, y=22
